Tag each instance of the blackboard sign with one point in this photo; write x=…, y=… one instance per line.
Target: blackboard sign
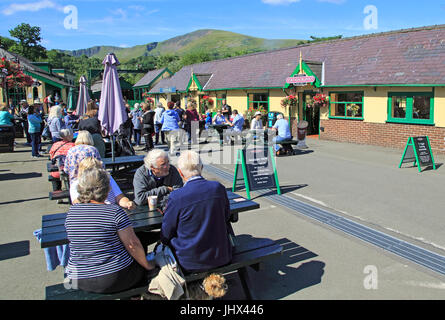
x=422, y=146
x=256, y=168
x=418, y=151
x=259, y=169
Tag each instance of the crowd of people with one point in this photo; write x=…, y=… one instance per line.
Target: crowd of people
x=106, y=254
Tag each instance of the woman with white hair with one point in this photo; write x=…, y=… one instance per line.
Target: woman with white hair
x=155, y=178
x=55, y=122
x=84, y=148
x=115, y=196
x=106, y=256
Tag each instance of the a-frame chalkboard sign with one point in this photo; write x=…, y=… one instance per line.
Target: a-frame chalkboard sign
x=418, y=151
x=257, y=169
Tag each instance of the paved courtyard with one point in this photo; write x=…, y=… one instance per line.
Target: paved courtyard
x=361, y=183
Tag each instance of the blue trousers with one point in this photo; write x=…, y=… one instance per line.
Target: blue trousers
x=35, y=143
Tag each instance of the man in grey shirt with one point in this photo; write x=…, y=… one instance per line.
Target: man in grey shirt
x=155, y=178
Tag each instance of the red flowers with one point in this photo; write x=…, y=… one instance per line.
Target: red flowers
x=289, y=101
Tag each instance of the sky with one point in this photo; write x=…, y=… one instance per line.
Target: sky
x=79, y=24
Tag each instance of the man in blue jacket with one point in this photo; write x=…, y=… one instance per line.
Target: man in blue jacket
x=195, y=222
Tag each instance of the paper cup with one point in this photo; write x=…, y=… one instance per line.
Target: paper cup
x=152, y=202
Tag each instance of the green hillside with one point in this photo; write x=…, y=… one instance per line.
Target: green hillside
x=201, y=40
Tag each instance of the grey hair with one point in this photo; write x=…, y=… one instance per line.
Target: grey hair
x=190, y=164
x=94, y=184
x=280, y=116
x=159, y=105
x=65, y=134
x=152, y=157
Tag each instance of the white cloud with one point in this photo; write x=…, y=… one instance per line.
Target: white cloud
x=31, y=6
x=278, y=2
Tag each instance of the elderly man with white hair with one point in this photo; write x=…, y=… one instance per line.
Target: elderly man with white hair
x=284, y=134
x=155, y=178
x=195, y=222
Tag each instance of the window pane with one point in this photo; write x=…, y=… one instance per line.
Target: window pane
x=338, y=110
x=399, y=107
x=354, y=110
x=421, y=107
x=347, y=97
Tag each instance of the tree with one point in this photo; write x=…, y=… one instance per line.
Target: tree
x=6, y=43
x=28, y=44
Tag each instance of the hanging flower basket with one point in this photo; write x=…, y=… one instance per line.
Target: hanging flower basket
x=289, y=101
x=320, y=100
x=207, y=102
x=15, y=76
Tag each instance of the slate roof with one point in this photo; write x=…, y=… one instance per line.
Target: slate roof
x=149, y=77
x=411, y=56
x=28, y=66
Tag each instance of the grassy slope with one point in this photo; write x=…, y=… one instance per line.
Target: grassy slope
x=201, y=40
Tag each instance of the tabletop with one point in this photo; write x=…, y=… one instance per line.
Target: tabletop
x=123, y=160
x=54, y=233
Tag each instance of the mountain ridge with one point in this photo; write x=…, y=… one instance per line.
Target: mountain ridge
x=207, y=40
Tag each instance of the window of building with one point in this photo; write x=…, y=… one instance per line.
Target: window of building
x=219, y=100
x=411, y=107
x=347, y=105
x=257, y=100
x=16, y=95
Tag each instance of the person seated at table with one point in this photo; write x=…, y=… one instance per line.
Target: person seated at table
x=236, y=125
x=84, y=148
x=6, y=118
x=90, y=122
x=56, y=123
x=106, y=256
x=155, y=178
x=195, y=222
x=282, y=127
x=59, y=150
x=219, y=118
x=71, y=120
x=257, y=123
x=115, y=196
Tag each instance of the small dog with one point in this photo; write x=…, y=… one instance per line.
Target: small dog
x=212, y=287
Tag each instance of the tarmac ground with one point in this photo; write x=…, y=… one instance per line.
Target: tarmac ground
x=362, y=183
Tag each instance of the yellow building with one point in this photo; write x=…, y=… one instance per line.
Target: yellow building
x=380, y=89
x=46, y=81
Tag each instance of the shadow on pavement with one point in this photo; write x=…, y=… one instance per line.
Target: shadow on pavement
x=278, y=278
x=14, y=250
x=19, y=176
x=284, y=190
x=24, y=200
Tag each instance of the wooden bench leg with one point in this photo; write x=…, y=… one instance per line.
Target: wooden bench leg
x=246, y=283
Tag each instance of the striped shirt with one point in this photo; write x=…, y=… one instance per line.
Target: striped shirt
x=96, y=249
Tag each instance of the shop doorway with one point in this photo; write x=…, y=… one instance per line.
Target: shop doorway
x=311, y=113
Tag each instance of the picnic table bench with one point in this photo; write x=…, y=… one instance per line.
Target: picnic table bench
x=54, y=233
x=247, y=252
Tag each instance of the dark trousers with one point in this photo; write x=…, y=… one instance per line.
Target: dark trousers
x=133, y=276
x=35, y=143
x=137, y=136
x=148, y=141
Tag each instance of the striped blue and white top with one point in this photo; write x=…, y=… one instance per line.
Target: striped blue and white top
x=96, y=249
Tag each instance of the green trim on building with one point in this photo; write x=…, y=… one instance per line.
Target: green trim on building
x=308, y=72
x=147, y=86
x=41, y=78
x=346, y=117
x=408, y=119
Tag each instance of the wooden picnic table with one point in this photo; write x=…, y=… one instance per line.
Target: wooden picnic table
x=54, y=233
x=122, y=165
